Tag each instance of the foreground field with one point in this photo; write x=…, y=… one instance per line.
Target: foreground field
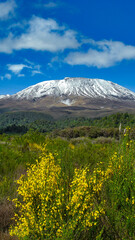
x=76, y=189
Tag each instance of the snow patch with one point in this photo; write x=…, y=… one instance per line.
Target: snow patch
x=67, y=102
x=4, y=96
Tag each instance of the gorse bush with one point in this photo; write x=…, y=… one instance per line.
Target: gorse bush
x=84, y=206
x=42, y=196
x=47, y=210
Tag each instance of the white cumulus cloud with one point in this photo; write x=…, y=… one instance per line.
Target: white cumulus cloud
x=102, y=54
x=6, y=9
x=41, y=35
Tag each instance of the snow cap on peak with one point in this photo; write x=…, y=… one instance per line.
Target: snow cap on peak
x=86, y=87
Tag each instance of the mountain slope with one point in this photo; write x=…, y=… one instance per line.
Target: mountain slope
x=91, y=88
x=4, y=96
x=72, y=97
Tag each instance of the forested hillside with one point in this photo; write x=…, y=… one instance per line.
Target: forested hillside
x=21, y=122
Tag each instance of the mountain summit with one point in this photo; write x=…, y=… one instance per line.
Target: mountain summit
x=83, y=87
x=72, y=97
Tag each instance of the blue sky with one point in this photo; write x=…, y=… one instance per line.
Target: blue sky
x=45, y=40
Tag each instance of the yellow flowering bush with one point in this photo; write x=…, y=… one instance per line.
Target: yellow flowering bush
x=40, y=213
x=84, y=205
x=48, y=211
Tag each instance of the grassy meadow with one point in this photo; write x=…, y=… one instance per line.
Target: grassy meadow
x=68, y=185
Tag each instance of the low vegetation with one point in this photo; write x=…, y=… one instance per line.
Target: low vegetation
x=76, y=183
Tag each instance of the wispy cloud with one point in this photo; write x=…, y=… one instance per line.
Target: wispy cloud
x=34, y=72
x=51, y=4
x=29, y=62
x=21, y=75
x=41, y=35
x=56, y=62
x=17, y=68
x=102, y=54
x=7, y=9
x=6, y=76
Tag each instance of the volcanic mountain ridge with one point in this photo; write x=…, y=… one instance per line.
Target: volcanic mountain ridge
x=71, y=96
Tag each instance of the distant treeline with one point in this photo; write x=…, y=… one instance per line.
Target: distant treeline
x=21, y=122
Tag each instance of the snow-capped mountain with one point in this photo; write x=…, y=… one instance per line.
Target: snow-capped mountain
x=4, y=96
x=83, y=87
x=71, y=97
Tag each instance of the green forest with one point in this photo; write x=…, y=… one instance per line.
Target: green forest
x=21, y=122
x=68, y=179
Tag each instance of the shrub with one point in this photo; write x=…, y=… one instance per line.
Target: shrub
x=48, y=210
